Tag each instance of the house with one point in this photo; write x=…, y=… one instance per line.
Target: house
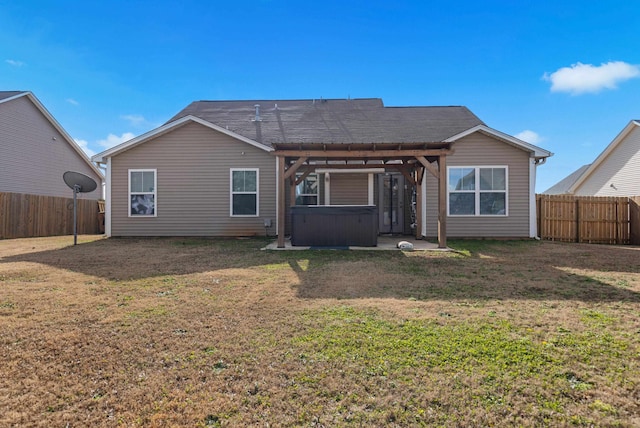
x=562, y=187
x=233, y=168
x=35, y=151
x=615, y=172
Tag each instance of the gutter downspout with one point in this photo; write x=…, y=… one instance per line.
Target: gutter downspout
x=103, y=167
x=533, y=214
x=107, y=201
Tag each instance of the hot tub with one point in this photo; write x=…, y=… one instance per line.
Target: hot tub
x=334, y=225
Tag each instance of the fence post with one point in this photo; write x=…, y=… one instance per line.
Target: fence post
x=578, y=237
x=616, y=233
x=634, y=220
x=539, y=215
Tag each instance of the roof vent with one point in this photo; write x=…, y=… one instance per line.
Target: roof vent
x=257, y=118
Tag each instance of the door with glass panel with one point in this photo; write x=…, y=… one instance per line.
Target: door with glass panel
x=391, y=203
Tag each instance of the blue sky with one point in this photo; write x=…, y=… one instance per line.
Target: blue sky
x=564, y=75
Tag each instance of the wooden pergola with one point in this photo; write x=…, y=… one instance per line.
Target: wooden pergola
x=410, y=159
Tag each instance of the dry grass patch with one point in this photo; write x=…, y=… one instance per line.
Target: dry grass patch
x=203, y=332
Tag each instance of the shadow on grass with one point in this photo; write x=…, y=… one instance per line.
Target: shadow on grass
x=478, y=270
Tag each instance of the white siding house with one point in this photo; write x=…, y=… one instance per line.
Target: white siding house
x=615, y=172
x=35, y=151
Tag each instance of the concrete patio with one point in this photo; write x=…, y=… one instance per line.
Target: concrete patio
x=385, y=243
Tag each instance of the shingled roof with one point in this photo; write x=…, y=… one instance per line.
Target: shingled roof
x=562, y=187
x=345, y=121
x=8, y=94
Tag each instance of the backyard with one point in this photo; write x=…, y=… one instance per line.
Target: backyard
x=217, y=332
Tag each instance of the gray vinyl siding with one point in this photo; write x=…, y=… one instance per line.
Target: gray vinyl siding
x=34, y=155
x=349, y=189
x=193, y=166
x=480, y=150
x=621, y=168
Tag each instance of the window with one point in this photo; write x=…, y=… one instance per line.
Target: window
x=142, y=193
x=244, y=192
x=477, y=191
x=307, y=190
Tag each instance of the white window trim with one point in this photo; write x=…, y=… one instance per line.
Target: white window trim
x=317, y=194
x=257, y=192
x=154, y=193
x=477, y=190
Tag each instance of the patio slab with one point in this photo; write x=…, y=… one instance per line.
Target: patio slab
x=385, y=243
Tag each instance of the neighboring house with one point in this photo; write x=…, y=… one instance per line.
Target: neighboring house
x=232, y=168
x=562, y=187
x=35, y=151
x=615, y=172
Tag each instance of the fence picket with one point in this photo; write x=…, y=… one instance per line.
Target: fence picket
x=589, y=219
x=634, y=220
x=23, y=215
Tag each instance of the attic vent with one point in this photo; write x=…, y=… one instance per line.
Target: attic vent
x=257, y=118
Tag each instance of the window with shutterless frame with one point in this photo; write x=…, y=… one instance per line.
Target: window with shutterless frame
x=143, y=192
x=244, y=183
x=477, y=190
x=307, y=190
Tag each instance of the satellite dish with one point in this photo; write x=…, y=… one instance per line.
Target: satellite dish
x=79, y=183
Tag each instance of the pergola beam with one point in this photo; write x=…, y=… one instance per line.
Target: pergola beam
x=314, y=166
x=293, y=168
x=360, y=154
x=412, y=159
x=432, y=169
x=407, y=175
x=304, y=175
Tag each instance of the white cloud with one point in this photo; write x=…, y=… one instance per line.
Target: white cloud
x=529, y=136
x=134, y=119
x=113, y=140
x=14, y=62
x=84, y=145
x=582, y=78
x=73, y=102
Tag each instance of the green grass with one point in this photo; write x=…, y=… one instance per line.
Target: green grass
x=499, y=360
x=471, y=247
x=216, y=332
x=381, y=346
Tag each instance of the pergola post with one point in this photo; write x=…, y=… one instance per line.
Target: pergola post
x=281, y=201
x=406, y=153
x=440, y=174
x=419, y=177
x=442, y=202
x=292, y=191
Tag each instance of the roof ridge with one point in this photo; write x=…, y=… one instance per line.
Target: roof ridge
x=287, y=99
x=434, y=106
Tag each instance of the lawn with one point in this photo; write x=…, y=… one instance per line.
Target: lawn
x=216, y=332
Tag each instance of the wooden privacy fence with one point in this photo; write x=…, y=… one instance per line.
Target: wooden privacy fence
x=23, y=216
x=590, y=219
x=634, y=220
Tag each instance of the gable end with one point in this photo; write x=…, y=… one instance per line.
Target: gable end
x=114, y=151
